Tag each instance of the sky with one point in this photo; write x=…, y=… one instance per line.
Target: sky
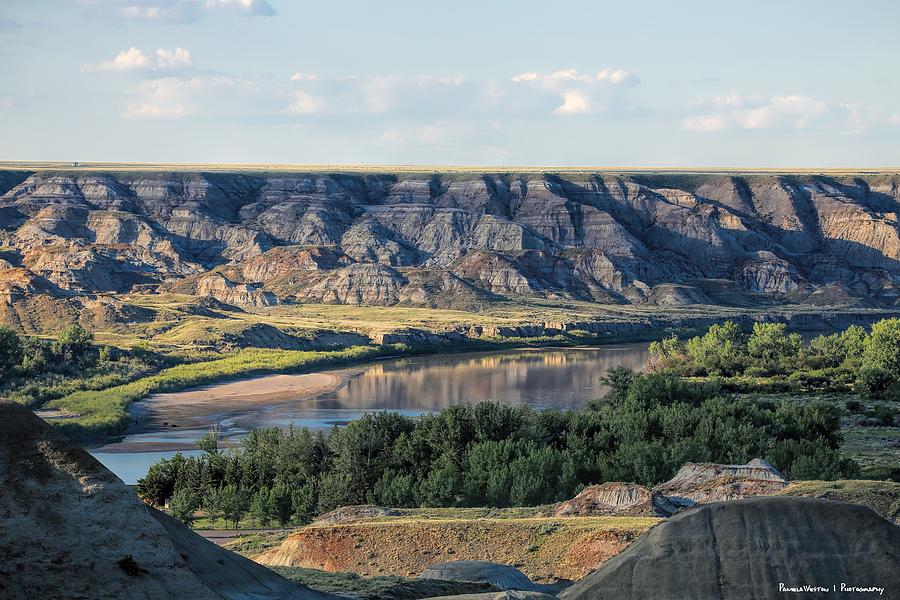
x=719, y=83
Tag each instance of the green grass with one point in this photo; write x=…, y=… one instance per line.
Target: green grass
x=105, y=411
x=881, y=496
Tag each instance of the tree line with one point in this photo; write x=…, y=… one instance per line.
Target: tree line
x=853, y=360
x=489, y=454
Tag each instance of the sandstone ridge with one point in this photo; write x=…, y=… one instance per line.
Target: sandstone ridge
x=452, y=240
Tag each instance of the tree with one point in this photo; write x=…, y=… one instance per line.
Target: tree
x=184, y=504
x=720, y=351
x=213, y=504
x=770, y=348
x=37, y=356
x=73, y=345
x=882, y=347
x=281, y=507
x=303, y=503
x=209, y=443
x=10, y=351
x=261, y=506
x=159, y=483
x=234, y=503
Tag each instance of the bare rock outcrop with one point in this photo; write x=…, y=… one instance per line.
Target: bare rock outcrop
x=702, y=483
x=361, y=239
x=616, y=499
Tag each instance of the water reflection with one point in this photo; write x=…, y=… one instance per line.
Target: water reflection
x=540, y=378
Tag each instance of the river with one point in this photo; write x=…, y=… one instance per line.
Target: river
x=546, y=378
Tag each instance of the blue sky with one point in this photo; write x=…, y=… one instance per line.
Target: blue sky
x=718, y=83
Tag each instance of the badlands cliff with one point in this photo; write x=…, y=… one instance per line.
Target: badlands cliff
x=70, y=242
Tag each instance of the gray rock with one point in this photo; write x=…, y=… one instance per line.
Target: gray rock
x=502, y=577
x=744, y=549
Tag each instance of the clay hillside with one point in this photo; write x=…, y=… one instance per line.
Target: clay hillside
x=754, y=548
x=448, y=240
x=70, y=529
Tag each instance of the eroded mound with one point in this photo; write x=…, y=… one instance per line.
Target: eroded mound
x=70, y=529
x=615, y=498
x=702, y=483
x=745, y=549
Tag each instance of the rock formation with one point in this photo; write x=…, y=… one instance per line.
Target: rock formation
x=702, y=483
x=746, y=549
x=70, y=529
x=455, y=241
x=502, y=577
x=616, y=499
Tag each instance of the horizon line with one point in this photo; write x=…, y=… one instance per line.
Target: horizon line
x=421, y=168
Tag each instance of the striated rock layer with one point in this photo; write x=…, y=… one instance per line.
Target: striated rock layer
x=702, y=483
x=453, y=240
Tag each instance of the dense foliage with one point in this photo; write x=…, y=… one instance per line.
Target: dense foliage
x=489, y=454
x=35, y=371
x=853, y=360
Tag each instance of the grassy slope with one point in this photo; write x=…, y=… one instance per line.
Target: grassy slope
x=881, y=496
x=544, y=548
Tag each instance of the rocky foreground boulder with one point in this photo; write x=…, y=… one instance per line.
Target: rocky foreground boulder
x=753, y=549
x=71, y=529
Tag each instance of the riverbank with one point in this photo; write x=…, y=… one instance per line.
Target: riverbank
x=541, y=378
x=96, y=414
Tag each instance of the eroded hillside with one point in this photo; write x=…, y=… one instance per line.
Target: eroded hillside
x=453, y=240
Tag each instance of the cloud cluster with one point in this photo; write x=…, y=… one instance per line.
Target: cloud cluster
x=178, y=11
x=134, y=59
x=174, y=98
x=732, y=112
x=581, y=94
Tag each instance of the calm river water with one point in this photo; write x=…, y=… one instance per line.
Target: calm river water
x=541, y=378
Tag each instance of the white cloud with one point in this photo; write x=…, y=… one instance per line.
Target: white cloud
x=304, y=104
x=134, y=59
x=6, y=103
x=581, y=93
x=177, y=11
x=382, y=95
x=774, y=113
x=401, y=100
x=894, y=119
x=574, y=103
x=705, y=123
x=175, y=98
